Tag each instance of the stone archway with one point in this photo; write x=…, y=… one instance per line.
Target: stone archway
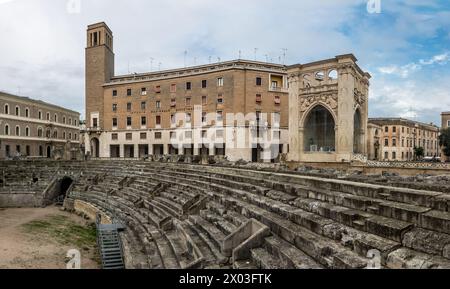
x=95, y=147
x=319, y=130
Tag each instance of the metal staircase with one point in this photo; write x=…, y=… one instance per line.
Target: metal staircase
x=110, y=246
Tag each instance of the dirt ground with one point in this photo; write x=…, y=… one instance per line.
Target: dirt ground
x=39, y=238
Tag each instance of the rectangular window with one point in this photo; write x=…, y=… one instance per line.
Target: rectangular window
x=258, y=81
x=114, y=107
x=394, y=155
x=158, y=135
x=143, y=135
x=129, y=92
x=258, y=98
x=394, y=129
x=95, y=122
x=158, y=104
x=277, y=100
x=188, y=134
x=158, y=89
x=143, y=91
x=129, y=136
x=394, y=142
x=172, y=119
x=188, y=117
x=204, y=133
x=173, y=135
x=143, y=105
x=219, y=115
x=173, y=88
x=386, y=142
x=204, y=117
x=204, y=83
x=173, y=102
x=220, y=81
x=129, y=106
x=219, y=133
x=188, y=85
x=129, y=121
x=188, y=101
x=158, y=120
x=204, y=100
x=114, y=92
x=114, y=122
x=274, y=85
x=386, y=129
x=220, y=99
x=143, y=121
x=114, y=136
x=276, y=119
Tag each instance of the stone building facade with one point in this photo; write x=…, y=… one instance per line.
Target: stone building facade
x=328, y=110
x=397, y=138
x=445, y=124
x=237, y=109
x=34, y=128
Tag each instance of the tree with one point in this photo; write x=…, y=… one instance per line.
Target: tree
x=419, y=152
x=444, y=141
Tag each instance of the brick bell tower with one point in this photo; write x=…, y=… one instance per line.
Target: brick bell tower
x=99, y=69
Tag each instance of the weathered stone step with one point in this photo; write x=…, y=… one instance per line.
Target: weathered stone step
x=214, y=254
x=264, y=260
x=405, y=258
x=428, y=241
x=290, y=257
x=381, y=226
x=214, y=234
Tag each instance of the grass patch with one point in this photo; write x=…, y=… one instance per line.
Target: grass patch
x=64, y=231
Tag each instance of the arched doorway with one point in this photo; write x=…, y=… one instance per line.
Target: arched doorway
x=49, y=152
x=357, y=133
x=95, y=147
x=319, y=131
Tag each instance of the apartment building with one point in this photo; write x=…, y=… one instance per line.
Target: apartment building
x=35, y=128
x=237, y=109
x=397, y=138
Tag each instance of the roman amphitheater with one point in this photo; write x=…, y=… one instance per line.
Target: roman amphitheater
x=171, y=213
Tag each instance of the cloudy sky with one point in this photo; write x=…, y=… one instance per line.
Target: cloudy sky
x=405, y=47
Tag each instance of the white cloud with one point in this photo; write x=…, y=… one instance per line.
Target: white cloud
x=406, y=70
x=438, y=59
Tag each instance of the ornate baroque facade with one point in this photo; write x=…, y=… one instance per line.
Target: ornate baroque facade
x=328, y=110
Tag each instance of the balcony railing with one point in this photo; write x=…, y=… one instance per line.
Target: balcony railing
x=278, y=89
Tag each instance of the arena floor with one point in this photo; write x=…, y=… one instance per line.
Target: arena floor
x=39, y=238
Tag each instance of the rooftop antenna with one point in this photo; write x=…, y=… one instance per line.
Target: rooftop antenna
x=256, y=51
x=185, y=55
x=284, y=55
x=151, y=64
x=279, y=59
x=240, y=54
x=128, y=67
